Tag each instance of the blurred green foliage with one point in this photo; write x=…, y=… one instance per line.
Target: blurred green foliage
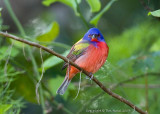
x=132, y=52
x=70, y=3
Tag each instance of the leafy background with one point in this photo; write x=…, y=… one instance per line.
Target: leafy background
x=131, y=32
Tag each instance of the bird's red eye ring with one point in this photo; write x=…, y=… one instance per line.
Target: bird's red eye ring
x=99, y=35
x=89, y=35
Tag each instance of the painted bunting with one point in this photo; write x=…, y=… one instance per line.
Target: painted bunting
x=90, y=53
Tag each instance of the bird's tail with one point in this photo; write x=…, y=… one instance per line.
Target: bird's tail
x=61, y=90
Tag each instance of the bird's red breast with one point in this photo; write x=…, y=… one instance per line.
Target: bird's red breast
x=92, y=60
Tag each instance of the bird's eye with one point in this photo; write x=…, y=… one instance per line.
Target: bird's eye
x=99, y=35
x=89, y=35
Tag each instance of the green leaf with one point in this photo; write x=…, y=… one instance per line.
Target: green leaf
x=4, y=108
x=95, y=19
x=52, y=61
x=155, y=13
x=50, y=34
x=70, y=3
x=95, y=5
x=55, y=83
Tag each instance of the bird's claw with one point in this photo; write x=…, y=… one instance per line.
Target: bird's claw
x=91, y=76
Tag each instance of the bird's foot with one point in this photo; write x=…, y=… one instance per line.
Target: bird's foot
x=91, y=76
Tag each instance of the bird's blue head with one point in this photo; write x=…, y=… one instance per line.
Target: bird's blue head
x=94, y=35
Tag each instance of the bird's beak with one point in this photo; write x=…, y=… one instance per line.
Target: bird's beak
x=94, y=37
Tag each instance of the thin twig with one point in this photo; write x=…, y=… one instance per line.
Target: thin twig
x=24, y=53
x=79, y=87
x=37, y=85
x=146, y=90
x=134, y=78
x=79, y=68
x=141, y=86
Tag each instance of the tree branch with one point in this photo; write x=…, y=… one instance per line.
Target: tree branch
x=79, y=68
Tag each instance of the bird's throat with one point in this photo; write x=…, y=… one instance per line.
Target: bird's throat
x=94, y=40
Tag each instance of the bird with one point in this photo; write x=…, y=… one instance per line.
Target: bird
x=90, y=53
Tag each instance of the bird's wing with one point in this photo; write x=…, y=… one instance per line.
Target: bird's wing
x=77, y=50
